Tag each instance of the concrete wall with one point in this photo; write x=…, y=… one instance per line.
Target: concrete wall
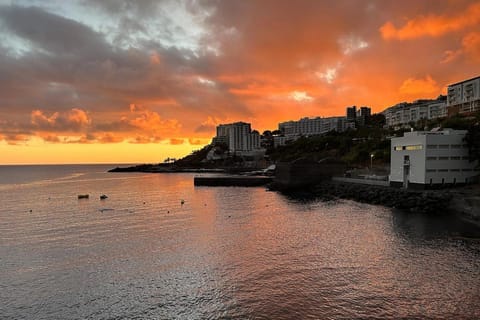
x=362, y=181
x=303, y=173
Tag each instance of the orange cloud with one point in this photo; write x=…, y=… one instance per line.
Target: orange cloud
x=471, y=45
x=198, y=141
x=151, y=121
x=72, y=120
x=175, y=141
x=432, y=25
x=425, y=87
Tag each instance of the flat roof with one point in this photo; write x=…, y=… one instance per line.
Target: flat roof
x=453, y=84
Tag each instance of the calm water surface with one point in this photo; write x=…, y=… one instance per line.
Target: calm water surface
x=225, y=253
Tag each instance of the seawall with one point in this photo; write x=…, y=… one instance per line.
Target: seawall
x=234, y=181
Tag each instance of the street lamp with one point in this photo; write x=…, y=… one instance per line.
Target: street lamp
x=371, y=161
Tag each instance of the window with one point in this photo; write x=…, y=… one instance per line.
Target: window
x=409, y=147
x=442, y=170
x=454, y=170
x=466, y=170
x=455, y=146
x=442, y=158
x=465, y=158
x=455, y=158
x=431, y=158
x=443, y=146
x=414, y=147
x=431, y=146
x=431, y=170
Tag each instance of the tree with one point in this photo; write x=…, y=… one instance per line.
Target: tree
x=376, y=120
x=277, y=132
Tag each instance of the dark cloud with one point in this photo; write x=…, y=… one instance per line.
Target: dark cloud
x=52, y=33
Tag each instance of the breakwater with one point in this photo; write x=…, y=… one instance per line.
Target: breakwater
x=237, y=181
x=430, y=202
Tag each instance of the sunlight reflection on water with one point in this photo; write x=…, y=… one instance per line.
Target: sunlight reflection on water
x=225, y=253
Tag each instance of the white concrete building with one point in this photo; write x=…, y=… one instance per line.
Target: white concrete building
x=312, y=126
x=238, y=136
x=464, y=96
x=423, y=158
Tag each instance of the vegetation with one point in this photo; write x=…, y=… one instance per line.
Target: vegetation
x=355, y=147
x=195, y=158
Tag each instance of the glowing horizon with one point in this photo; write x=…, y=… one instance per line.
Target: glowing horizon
x=136, y=82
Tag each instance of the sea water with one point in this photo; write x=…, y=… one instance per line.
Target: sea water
x=225, y=253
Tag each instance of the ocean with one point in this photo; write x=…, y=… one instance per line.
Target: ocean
x=224, y=253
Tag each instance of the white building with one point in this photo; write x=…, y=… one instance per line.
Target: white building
x=403, y=113
x=464, y=96
x=312, y=126
x=423, y=158
x=238, y=136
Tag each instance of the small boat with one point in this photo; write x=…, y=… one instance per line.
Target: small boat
x=83, y=196
x=103, y=197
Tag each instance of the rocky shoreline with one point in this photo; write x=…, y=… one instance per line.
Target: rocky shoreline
x=428, y=202
x=462, y=202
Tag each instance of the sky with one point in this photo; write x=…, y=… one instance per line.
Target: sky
x=117, y=81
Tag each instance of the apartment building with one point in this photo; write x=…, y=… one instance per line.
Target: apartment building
x=404, y=113
x=292, y=130
x=238, y=136
x=464, y=97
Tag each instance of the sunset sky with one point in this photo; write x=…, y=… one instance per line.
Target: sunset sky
x=115, y=81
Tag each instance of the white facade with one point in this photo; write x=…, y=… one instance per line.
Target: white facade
x=431, y=158
x=404, y=113
x=312, y=126
x=437, y=110
x=464, y=97
x=238, y=136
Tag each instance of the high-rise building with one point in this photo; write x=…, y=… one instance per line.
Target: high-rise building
x=352, y=113
x=464, y=97
x=238, y=137
x=363, y=114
